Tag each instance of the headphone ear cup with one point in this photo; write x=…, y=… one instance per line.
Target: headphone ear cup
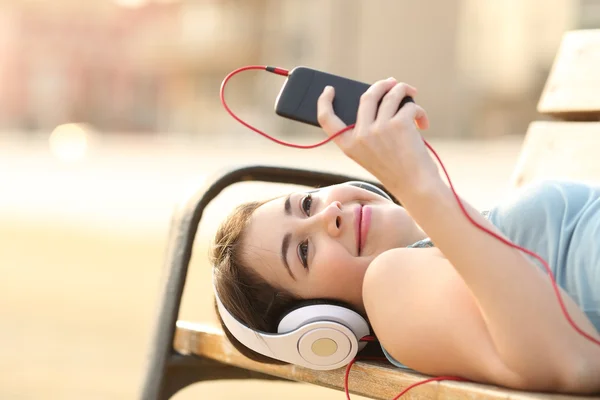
x=297, y=305
x=287, y=323
x=336, y=334
x=370, y=187
x=310, y=311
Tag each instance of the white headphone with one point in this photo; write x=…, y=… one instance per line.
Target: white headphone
x=316, y=336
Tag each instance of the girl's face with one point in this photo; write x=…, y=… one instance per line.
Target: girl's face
x=319, y=244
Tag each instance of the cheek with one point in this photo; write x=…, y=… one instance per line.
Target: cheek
x=393, y=230
x=338, y=271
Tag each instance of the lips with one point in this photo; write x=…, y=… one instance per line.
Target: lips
x=357, y=226
x=362, y=221
x=365, y=223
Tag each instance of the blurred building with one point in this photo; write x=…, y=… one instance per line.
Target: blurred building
x=68, y=61
x=157, y=67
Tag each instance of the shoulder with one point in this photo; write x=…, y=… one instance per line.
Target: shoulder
x=396, y=274
x=406, y=262
x=400, y=269
x=397, y=292
x=425, y=316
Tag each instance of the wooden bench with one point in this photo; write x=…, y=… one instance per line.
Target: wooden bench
x=567, y=148
x=183, y=353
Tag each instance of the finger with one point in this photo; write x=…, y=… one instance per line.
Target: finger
x=369, y=101
x=412, y=112
x=421, y=118
x=330, y=122
x=391, y=101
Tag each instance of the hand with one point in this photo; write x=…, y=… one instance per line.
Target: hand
x=385, y=141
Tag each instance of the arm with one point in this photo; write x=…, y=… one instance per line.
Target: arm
x=514, y=297
x=427, y=318
x=516, y=300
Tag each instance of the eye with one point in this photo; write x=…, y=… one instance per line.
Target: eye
x=305, y=203
x=303, y=253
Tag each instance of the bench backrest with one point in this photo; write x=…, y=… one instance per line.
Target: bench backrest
x=570, y=148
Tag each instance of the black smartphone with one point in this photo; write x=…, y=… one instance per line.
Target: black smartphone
x=298, y=97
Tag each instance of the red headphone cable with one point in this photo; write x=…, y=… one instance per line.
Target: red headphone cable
x=284, y=72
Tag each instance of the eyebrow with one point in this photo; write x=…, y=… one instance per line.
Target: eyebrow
x=288, y=205
x=285, y=243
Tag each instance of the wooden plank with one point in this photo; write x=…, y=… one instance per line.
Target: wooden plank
x=572, y=91
x=559, y=150
x=375, y=379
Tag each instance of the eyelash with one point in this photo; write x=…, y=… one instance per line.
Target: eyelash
x=305, y=199
x=303, y=253
x=305, y=205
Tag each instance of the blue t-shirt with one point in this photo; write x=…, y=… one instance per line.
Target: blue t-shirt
x=560, y=221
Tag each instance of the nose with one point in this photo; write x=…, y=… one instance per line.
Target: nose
x=331, y=218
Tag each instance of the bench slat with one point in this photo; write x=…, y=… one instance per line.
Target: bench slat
x=374, y=379
x=561, y=150
x=572, y=88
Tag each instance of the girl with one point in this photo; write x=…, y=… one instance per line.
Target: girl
x=442, y=296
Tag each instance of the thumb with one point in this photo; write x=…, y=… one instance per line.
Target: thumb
x=330, y=122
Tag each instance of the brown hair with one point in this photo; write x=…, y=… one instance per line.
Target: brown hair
x=248, y=297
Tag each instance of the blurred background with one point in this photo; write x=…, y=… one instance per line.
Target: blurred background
x=110, y=116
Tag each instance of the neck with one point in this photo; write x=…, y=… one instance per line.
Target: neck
x=418, y=234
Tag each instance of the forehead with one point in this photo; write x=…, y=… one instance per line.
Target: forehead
x=262, y=241
x=271, y=214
